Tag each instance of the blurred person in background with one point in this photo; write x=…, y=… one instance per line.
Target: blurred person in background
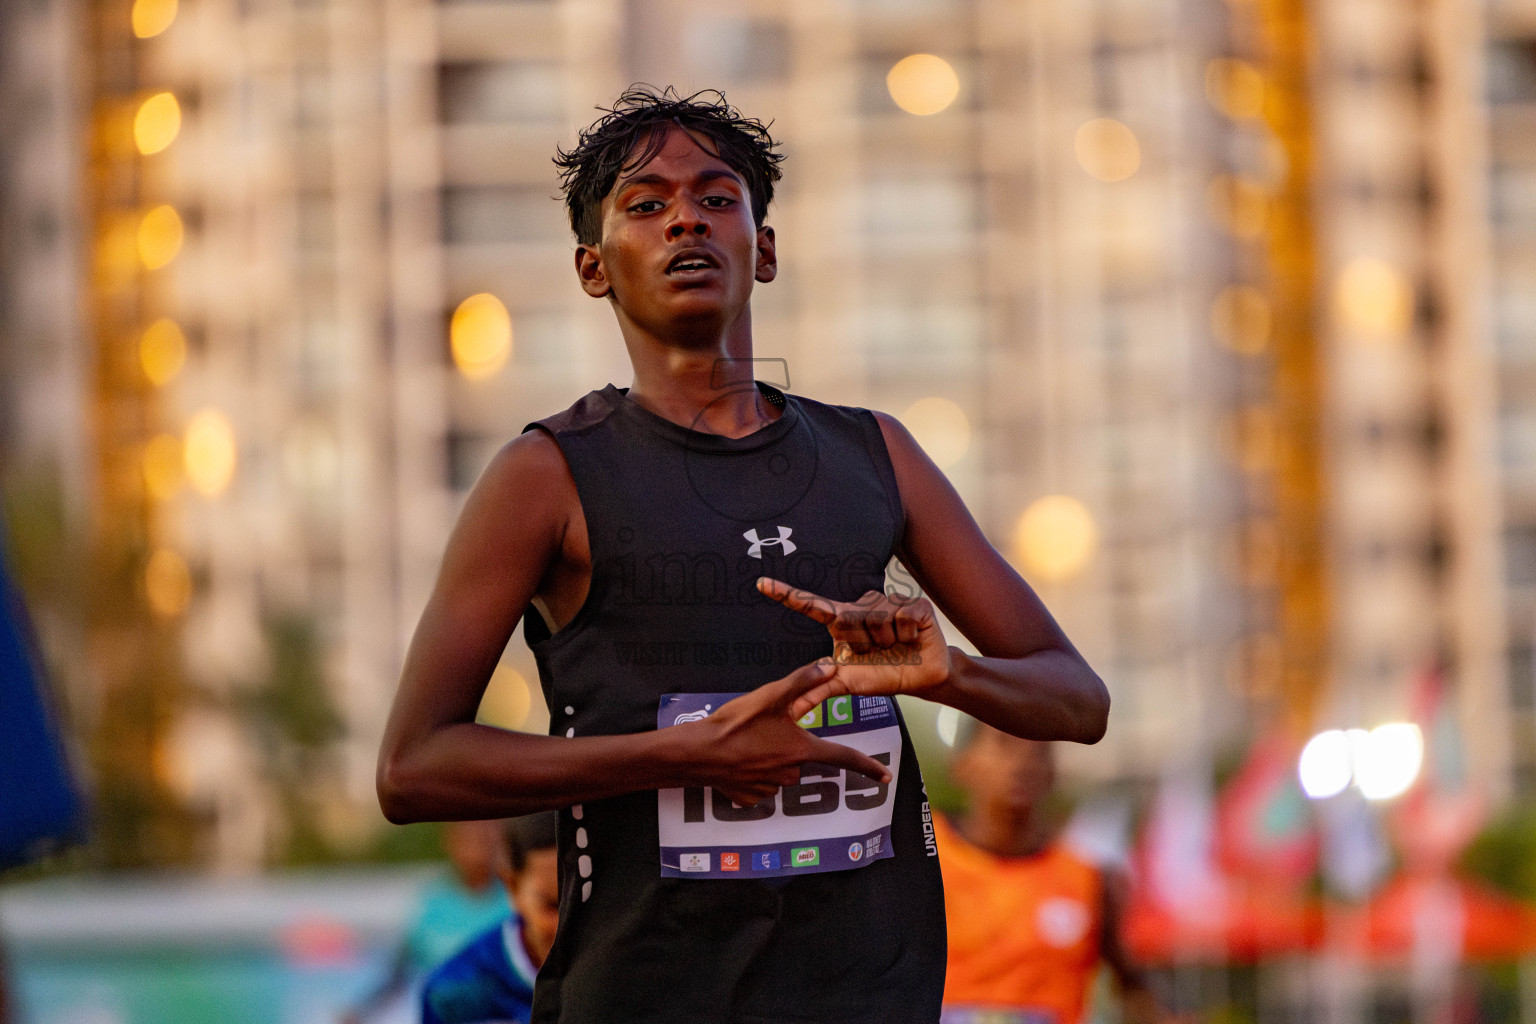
x=451, y=910
x=1030, y=921
x=491, y=978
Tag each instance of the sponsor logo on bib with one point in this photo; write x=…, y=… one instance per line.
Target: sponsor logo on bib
x=693, y=862
x=730, y=862
x=765, y=860
x=805, y=856
x=855, y=851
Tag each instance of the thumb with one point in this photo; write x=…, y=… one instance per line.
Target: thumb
x=827, y=752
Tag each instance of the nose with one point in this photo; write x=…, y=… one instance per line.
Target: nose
x=688, y=221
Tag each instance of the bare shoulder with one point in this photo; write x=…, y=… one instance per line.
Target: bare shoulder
x=910, y=463
x=525, y=497
x=896, y=435
x=531, y=458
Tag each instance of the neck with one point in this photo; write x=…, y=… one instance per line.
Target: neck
x=698, y=377
x=1004, y=831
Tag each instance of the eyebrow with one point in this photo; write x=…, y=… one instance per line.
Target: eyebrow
x=712, y=174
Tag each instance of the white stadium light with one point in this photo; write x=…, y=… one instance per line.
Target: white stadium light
x=1325, y=767
x=1395, y=754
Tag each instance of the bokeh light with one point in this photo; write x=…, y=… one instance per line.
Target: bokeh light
x=151, y=17
x=1238, y=205
x=1393, y=756
x=1241, y=319
x=507, y=700
x=941, y=427
x=163, y=466
x=1383, y=763
x=210, y=453
x=157, y=123
x=1374, y=298
x=481, y=336
x=1326, y=765
x=1255, y=435
x=160, y=236
x=167, y=583
x=947, y=725
x=1055, y=538
x=1107, y=149
x=922, y=84
x=1234, y=87
x=162, y=351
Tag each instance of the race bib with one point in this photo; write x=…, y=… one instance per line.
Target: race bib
x=833, y=820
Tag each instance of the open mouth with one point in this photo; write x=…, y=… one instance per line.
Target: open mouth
x=695, y=262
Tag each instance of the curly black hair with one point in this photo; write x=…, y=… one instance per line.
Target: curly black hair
x=607, y=147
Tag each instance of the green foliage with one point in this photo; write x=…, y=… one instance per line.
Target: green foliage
x=1504, y=853
x=404, y=844
x=296, y=725
x=294, y=704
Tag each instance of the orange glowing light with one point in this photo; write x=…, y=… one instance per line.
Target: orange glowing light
x=160, y=236
x=481, y=336
x=922, y=84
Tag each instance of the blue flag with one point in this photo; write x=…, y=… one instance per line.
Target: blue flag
x=40, y=807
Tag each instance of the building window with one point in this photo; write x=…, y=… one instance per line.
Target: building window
x=501, y=214
x=500, y=93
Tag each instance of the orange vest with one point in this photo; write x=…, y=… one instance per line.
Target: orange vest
x=1023, y=932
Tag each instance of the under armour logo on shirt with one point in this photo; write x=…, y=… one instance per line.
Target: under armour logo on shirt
x=786, y=545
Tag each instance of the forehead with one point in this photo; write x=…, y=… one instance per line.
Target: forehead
x=675, y=153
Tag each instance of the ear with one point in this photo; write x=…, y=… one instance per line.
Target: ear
x=767, y=255
x=589, y=270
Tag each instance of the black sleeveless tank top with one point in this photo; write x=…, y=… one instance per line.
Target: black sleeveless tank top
x=681, y=524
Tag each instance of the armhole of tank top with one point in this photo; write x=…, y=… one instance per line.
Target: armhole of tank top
x=555, y=638
x=874, y=440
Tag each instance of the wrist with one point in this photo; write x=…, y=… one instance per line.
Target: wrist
x=951, y=689
x=670, y=756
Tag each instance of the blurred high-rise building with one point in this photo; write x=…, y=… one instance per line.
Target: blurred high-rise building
x=1510, y=187
x=1184, y=296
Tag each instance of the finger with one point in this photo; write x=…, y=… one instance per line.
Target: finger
x=801, y=680
x=748, y=795
x=908, y=623
x=881, y=627
x=834, y=687
x=823, y=609
x=852, y=627
x=837, y=755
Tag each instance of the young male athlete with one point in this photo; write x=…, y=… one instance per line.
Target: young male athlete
x=1030, y=921
x=743, y=830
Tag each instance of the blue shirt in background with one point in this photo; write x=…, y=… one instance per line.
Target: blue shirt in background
x=491, y=979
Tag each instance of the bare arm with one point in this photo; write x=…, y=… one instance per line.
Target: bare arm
x=1139, y=1003
x=436, y=763
x=1030, y=681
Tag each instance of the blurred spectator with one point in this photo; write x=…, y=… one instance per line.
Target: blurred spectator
x=491, y=979
x=452, y=910
x=1030, y=921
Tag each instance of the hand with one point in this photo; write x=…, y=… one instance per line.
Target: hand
x=751, y=746
x=880, y=645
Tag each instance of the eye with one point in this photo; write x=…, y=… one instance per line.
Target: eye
x=719, y=202
x=646, y=206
